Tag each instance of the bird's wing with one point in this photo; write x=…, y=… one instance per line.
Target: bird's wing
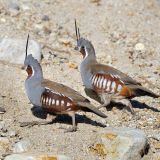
x=66, y=91
x=108, y=70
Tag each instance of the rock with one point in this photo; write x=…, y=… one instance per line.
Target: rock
x=139, y=47
x=14, y=9
x=155, y=136
x=4, y=143
x=38, y=27
x=65, y=41
x=13, y=50
x=114, y=37
x=3, y=20
x=14, y=6
x=2, y=125
x=121, y=144
x=45, y=18
x=72, y=65
x=2, y=110
x=12, y=133
x=36, y=156
x=25, y=7
x=22, y=146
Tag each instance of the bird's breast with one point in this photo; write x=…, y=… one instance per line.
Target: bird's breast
x=86, y=76
x=34, y=92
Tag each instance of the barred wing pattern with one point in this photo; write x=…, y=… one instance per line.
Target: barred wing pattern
x=55, y=102
x=111, y=84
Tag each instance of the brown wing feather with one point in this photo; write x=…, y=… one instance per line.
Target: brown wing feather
x=67, y=91
x=104, y=69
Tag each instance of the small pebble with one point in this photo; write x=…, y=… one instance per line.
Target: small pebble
x=139, y=47
x=2, y=110
x=45, y=18
x=14, y=6
x=72, y=65
x=12, y=133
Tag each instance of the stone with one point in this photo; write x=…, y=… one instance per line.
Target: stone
x=139, y=47
x=3, y=20
x=25, y=7
x=121, y=144
x=45, y=18
x=14, y=6
x=36, y=156
x=65, y=41
x=12, y=133
x=155, y=136
x=4, y=143
x=22, y=146
x=2, y=125
x=13, y=50
x=72, y=65
x=14, y=9
x=2, y=110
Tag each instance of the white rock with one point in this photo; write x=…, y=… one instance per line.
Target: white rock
x=12, y=133
x=25, y=7
x=36, y=156
x=13, y=50
x=139, y=47
x=123, y=143
x=3, y=20
x=22, y=146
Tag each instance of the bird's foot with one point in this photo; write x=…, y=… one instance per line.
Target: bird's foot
x=70, y=129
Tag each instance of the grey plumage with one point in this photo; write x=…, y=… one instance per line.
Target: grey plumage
x=33, y=83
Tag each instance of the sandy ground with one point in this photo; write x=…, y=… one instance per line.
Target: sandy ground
x=114, y=27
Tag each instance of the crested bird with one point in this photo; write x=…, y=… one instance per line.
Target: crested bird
x=108, y=83
x=53, y=97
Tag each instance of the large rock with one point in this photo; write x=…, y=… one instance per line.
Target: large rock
x=36, y=156
x=13, y=50
x=121, y=144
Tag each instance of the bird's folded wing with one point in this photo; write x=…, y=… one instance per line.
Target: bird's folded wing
x=108, y=70
x=62, y=89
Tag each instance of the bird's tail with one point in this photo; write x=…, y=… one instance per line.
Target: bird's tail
x=141, y=91
x=87, y=107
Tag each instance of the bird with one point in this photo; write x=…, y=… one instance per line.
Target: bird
x=105, y=82
x=53, y=97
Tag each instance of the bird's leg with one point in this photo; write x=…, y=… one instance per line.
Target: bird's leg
x=125, y=102
x=92, y=94
x=104, y=104
x=106, y=99
x=74, y=127
x=48, y=120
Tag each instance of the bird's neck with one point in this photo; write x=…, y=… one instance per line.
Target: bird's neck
x=89, y=58
x=33, y=85
x=85, y=69
x=35, y=76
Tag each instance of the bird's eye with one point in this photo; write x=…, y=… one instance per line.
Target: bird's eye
x=82, y=47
